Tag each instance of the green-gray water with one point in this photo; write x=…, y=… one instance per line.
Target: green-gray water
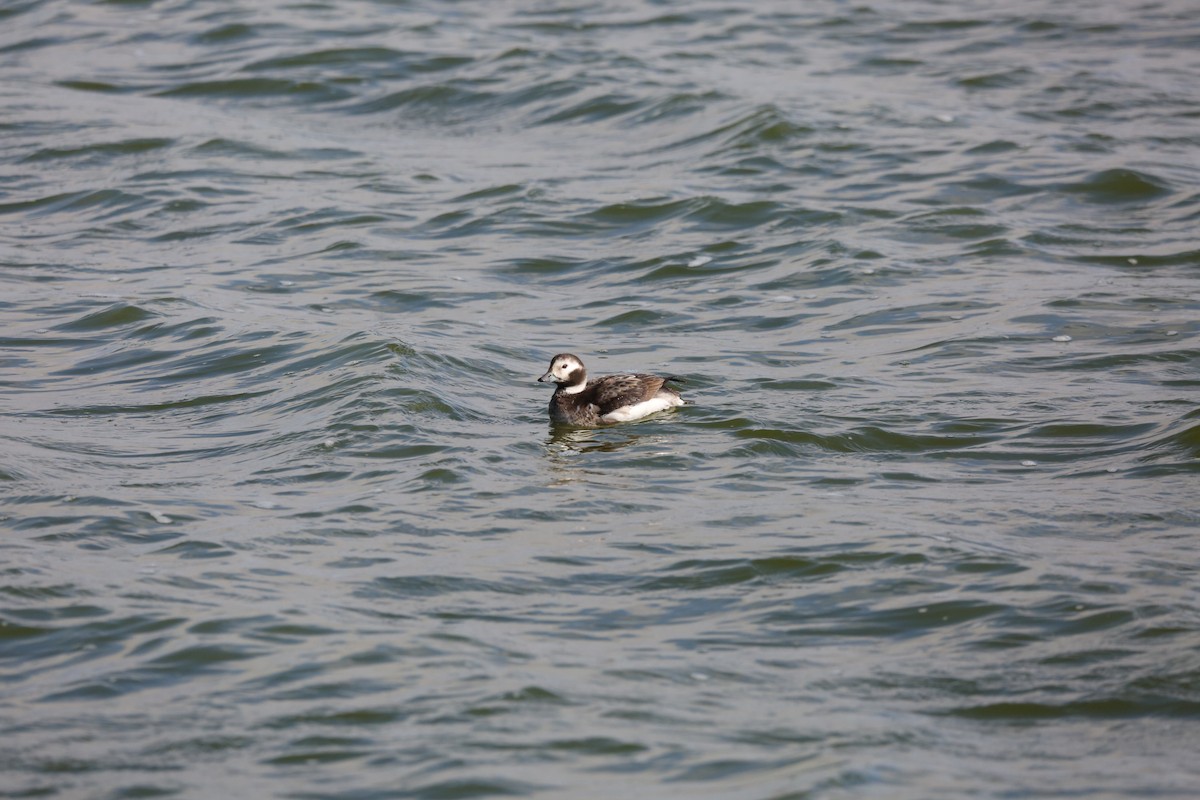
x=281, y=514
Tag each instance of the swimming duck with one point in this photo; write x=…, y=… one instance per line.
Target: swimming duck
x=606, y=400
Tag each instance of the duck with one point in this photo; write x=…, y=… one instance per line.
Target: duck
x=607, y=400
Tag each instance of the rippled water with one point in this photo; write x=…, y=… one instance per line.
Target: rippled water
x=283, y=513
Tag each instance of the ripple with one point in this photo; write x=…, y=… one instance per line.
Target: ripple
x=1095, y=709
x=114, y=316
x=1120, y=186
x=101, y=152
x=398, y=63
x=259, y=88
x=431, y=103
x=700, y=575
x=595, y=109
x=103, y=203
x=765, y=124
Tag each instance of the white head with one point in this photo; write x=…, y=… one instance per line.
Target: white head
x=566, y=369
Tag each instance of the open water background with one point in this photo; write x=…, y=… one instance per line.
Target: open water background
x=283, y=516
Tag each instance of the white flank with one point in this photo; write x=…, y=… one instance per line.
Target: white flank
x=642, y=409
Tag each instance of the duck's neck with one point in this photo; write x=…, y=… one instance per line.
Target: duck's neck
x=576, y=387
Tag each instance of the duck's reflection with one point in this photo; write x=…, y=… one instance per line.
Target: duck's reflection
x=564, y=439
x=617, y=455
x=567, y=451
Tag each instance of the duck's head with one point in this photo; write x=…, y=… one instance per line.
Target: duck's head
x=566, y=369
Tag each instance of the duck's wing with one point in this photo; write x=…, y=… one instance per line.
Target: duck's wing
x=615, y=391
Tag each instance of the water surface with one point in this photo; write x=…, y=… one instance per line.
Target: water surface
x=283, y=513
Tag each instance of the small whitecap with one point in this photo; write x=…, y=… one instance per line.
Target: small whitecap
x=264, y=504
x=1172, y=333
x=1111, y=469
x=329, y=443
x=956, y=316
x=699, y=261
x=1132, y=261
x=699, y=676
x=287, y=283
x=784, y=298
x=42, y=330
x=1063, y=338
x=1028, y=463
x=947, y=118
x=114, y=278
x=868, y=271
x=159, y=517
x=70, y=498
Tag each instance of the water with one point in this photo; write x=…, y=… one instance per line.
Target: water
x=283, y=514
